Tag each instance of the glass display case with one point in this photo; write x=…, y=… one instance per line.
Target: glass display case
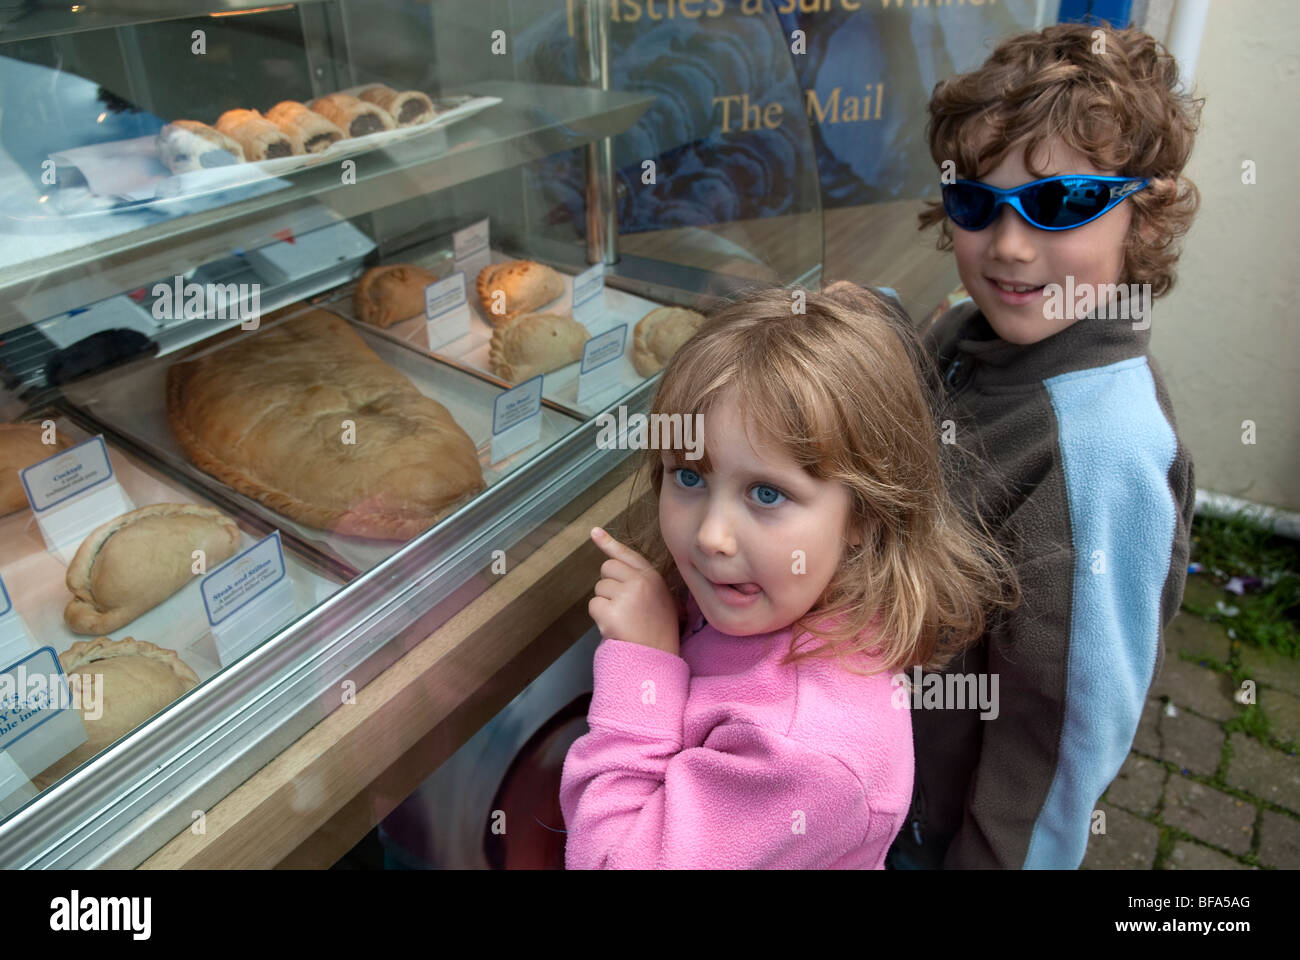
x=281, y=288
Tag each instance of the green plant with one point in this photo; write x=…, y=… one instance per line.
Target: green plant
x=1241, y=544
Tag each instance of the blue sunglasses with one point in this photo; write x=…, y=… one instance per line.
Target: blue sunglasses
x=1054, y=203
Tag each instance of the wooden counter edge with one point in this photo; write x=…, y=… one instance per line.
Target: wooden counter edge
x=404, y=715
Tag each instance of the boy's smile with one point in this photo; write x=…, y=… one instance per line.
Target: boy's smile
x=733, y=532
x=1006, y=266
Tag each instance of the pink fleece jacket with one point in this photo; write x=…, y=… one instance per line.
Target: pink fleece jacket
x=722, y=758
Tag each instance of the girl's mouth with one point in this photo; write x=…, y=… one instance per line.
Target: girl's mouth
x=736, y=594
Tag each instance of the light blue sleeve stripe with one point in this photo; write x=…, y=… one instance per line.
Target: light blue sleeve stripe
x=1116, y=450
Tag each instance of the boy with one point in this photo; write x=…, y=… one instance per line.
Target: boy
x=1071, y=451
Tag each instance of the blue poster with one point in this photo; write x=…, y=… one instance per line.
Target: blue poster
x=740, y=86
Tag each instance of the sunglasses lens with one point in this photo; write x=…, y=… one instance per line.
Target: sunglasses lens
x=969, y=206
x=1066, y=203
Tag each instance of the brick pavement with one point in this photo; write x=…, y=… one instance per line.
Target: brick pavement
x=1200, y=790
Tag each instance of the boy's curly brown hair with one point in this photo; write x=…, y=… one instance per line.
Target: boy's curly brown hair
x=1120, y=107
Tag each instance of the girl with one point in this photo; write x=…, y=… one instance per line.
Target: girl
x=743, y=713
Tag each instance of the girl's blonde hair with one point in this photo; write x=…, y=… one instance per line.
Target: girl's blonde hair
x=838, y=386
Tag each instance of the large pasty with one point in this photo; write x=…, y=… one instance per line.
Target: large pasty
x=388, y=294
x=306, y=418
x=526, y=285
x=535, y=343
x=20, y=447
x=125, y=682
x=129, y=565
x=659, y=334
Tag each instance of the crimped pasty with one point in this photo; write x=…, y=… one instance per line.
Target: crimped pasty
x=129, y=565
x=535, y=343
x=185, y=145
x=260, y=138
x=353, y=116
x=306, y=418
x=406, y=107
x=659, y=334
x=527, y=285
x=20, y=447
x=133, y=680
x=388, y=294
x=307, y=130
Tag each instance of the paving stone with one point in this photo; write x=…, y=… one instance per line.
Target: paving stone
x=1207, y=814
x=1127, y=844
x=1264, y=772
x=1188, y=633
x=1191, y=742
x=1192, y=856
x=1205, y=691
x=1279, y=841
x=1148, y=733
x=1283, y=712
x=1138, y=785
x=1271, y=668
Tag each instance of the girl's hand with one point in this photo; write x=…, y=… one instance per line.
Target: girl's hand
x=632, y=601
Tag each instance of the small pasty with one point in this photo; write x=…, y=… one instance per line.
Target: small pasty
x=135, y=679
x=534, y=343
x=355, y=117
x=659, y=334
x=20, y=447
x=307, y=130
x=388, y=294
x=527, y=286
x=186, y=145
x=406, y=107
x=260, y=138
x=129, y=565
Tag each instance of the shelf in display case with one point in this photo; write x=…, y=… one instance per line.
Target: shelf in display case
x=66, y=270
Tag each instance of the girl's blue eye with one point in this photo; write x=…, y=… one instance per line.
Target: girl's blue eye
x=768, y=496
x=688, y=478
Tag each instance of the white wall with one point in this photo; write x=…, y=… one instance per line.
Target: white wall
x=1227, y=338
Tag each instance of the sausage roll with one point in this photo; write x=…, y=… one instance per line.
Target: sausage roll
x=407, y=107
x=307, y=130
x=260, y=138
x=185, y=145
x=356, y=117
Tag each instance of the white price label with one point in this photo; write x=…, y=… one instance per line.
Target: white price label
x=602, y=362
x=589, y=296
x=446, y=310
x=516, y=419
x=473, y=239
x=67, y=474
x=243, y=578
